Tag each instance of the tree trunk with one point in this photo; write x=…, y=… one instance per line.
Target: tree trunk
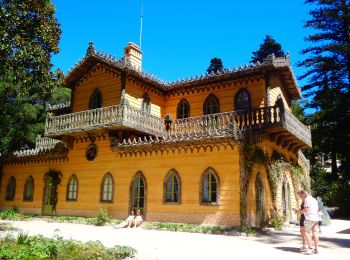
x=334, y=164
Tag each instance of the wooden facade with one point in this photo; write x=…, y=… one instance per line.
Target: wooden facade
x=129, y=140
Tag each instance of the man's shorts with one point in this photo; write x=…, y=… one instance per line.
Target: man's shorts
x=310, y=226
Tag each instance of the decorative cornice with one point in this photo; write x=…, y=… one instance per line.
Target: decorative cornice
x=45, y=148
x=271, y=63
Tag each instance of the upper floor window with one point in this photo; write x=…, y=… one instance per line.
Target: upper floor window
x=28, y=189
x=107, y=188
x=72, y=188
x=183, y=109
x=172, y=187
x=146, y=103
x=211, y=105
x=242, y=100
x=11, y=189
x=210, y=187
x=95, y=99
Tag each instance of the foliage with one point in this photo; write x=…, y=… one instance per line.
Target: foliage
x=253, y=155
x=102, y=218
x=300, y=180
x=275, y=175
x=187, y=228
x=249, y=230
x=60, y=95
x=327, y=64
x=215, y=65
x=276, y=220
x=267, y=48
x=38, y=247
x=29, y=36
x=9, y=214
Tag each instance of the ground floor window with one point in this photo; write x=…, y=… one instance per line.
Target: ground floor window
x=11, y=189
x=210, y=187
x=107, y=188
x=138, y=192
x=172, y=187
x=72, y=188
x=28, y=189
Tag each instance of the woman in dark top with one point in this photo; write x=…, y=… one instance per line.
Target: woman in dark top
x=301, y=224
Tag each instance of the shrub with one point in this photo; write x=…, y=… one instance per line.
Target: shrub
x=276, y=220
x=9, y=214
x=187, y=228
x=38, y=247
x=102, y=218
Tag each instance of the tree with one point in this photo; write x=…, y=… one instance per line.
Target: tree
x=268, y=47
x=215, y=65
x=328, y=74
x=29, y=36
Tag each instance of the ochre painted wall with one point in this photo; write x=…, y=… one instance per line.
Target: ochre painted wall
x=276, y=89
x=225, y=95
x=190, y=167
x=134, y=95
x=108, y=84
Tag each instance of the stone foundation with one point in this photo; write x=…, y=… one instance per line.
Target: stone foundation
x=193, y=218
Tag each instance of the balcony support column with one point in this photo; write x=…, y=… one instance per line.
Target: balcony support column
x=267, y=88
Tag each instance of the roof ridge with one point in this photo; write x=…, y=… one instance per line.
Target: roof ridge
x=123, y=63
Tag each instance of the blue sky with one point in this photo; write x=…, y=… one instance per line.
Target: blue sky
x=180, y=37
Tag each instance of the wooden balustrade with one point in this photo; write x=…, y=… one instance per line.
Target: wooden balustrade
x=106, y=117
x=124, y=115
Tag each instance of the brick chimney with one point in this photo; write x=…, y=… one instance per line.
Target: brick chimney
x=133, y=53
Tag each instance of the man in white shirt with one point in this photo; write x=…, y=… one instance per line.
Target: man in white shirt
x=311, y=220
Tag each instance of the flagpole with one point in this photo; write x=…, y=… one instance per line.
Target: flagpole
x=141, y=25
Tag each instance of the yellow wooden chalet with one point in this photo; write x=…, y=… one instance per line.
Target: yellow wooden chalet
x=218, y=149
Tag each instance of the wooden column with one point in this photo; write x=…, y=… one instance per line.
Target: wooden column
x=267, y=88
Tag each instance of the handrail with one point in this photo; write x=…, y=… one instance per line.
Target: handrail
x=112, y=116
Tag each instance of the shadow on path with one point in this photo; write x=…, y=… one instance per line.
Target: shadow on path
x=288, y=249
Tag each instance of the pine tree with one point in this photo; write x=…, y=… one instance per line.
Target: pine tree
x=268, y=47
x=328, y=74
x=29, y=36
x=215, y=65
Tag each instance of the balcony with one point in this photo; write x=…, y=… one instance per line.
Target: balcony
x=275, y=122
x=112, y=117
x=279, y=125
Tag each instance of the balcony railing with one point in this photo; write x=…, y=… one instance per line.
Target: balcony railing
x=106, y=117
x=221, y=124
x=254, y=120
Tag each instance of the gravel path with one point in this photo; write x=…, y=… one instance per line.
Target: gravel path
x=177, y=245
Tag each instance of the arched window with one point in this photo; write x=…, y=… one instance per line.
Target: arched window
x=146, y=103
x=172, y=187
x=211, y=105
x=138, y=192
x=183, y=109
x=210, y=187
x=11, y=189
x=28, y=189
x=95, y=99
x=107, y=188
x=242, y=100
x=72, y=188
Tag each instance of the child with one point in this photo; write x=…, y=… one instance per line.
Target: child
x=138, y=219
x=128, y=222
x=320, y=219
